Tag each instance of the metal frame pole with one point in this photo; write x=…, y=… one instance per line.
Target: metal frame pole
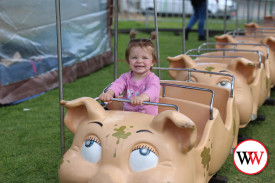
x=183, y=27
x=247, y=18
x=259, y=9
x=157, y=32
x=207, y=27
x=265, y=7
x=59, y=54
x=116, y=38
x=237, y=15
x=224, y=17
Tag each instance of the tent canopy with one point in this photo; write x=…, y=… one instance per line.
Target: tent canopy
x=28, y=44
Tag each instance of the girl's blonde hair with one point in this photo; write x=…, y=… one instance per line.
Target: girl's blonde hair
x=143, y=43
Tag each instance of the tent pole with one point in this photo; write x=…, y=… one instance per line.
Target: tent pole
x=59, y=54
x=157, y=32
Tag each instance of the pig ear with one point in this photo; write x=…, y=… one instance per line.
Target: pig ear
x=180, y=61
x=267, y=19
x=178, y=125
x=252, y=26
x=244, y=67
x=81, y=109
x=270, y=41
x=224, y=39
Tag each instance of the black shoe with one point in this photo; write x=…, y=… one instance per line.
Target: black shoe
x=202, y=38
x=186, y=33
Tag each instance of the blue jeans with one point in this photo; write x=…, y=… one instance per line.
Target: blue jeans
x=200, y=15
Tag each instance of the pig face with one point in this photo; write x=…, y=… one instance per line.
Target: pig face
x=124, y=147
x=242, y=69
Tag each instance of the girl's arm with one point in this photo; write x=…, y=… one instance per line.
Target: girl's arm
x=151, y=94
x=118, y=86
x=153, y=88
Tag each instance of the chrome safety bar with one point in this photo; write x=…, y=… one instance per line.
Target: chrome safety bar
x=255, y=33
x=194, y=88
x=201, y=71
x=224, y=51
x=236, y=44
x=257, y=29
x=146, y=103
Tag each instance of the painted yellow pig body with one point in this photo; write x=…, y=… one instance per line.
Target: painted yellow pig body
x=243, y=70
x=128, y=147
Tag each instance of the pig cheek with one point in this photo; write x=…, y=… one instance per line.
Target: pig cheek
x=74, y=168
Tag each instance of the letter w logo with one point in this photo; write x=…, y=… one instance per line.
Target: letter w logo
x=249, y=157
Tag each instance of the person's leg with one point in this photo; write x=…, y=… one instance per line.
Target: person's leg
x=192, y=21
x=193, y=18
x=201, y=17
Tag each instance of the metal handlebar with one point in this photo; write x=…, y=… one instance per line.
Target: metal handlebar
x=194, y=88
x=146, y=103
x=224, y=51
x=237, y=33
x=201, y=71
x=236, y=44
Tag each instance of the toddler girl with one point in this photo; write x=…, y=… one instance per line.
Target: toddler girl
x=140, y=84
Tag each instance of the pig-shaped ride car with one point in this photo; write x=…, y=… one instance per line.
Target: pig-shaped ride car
x=113, y=146
x=269, y=21
x=254, y=28
x=260, y=87
x=223, y=100
x=268, y=53
x=243, y=70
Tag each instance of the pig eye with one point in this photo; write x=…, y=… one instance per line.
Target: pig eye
x=143, y=157
x=91, y=149
x=225, y=84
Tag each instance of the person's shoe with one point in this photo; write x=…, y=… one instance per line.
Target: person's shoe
x=186, y=33
x=202, y=38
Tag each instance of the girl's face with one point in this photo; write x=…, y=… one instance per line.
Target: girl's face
x=140, y=61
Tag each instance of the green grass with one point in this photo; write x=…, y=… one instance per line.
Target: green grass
x=30, y=136
x=177, y=23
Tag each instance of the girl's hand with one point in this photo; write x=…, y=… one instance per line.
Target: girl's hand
x=136, y=100
x=106, y=97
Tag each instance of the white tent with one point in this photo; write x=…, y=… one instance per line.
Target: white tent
x=28, y=46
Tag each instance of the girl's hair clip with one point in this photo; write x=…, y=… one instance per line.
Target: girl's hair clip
x=133, y=33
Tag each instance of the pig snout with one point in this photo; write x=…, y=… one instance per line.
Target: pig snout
x=108, y=175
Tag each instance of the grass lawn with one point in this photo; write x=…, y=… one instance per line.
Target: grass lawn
x=30, y=135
